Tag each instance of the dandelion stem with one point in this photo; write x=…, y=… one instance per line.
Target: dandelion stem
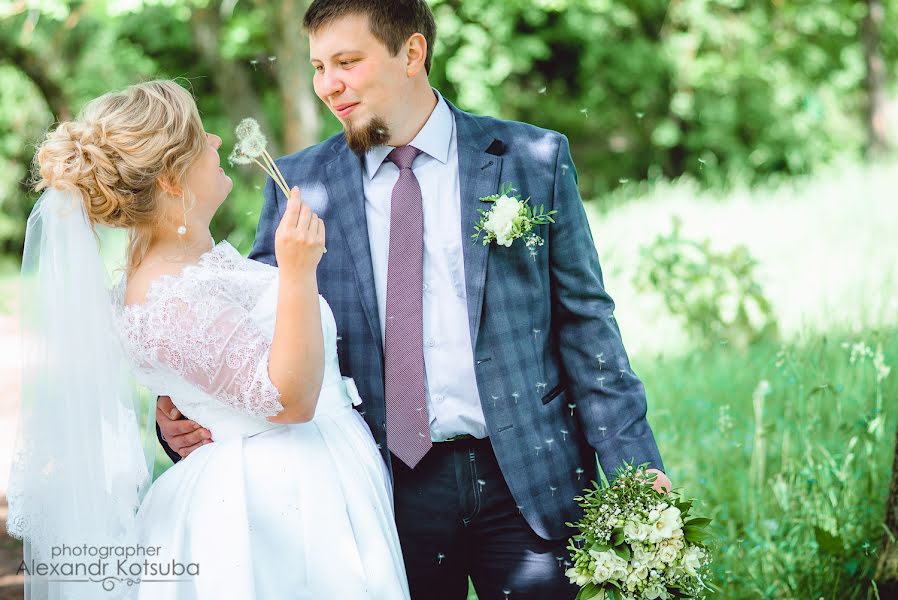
x=275, y=169
x=274, y=176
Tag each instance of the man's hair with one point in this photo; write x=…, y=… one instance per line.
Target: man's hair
x=392, y=22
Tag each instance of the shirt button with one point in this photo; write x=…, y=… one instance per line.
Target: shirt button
x=438, y=398
x=426, y=287
x=431, y=342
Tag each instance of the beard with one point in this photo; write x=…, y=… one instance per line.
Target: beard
x=362, y=139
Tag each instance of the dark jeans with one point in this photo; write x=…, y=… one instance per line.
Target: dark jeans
x=456, y=517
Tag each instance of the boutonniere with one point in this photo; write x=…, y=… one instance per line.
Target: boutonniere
x=511, y=218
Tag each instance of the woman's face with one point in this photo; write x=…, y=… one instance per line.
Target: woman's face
x=207, y=181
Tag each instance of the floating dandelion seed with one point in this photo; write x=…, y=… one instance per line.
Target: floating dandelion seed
x=603, y=430
x=254, y=62
x=572, y=407
x=640, y=115
x=520, y=508
x=537, y=448
x=540, y=386
x=507, y=593
x=440, y=557
x=515, y=396
x=481, y=483
x=585, y=112
x=271, y=59
x=579, y=472
x=542, y=90
x=564, y=433
x=549, y=443
x=553, y=488
x=623, y=180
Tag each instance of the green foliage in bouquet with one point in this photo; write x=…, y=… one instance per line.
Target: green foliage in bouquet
x=635, y=542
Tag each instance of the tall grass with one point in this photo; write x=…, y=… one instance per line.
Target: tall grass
x=790, y=450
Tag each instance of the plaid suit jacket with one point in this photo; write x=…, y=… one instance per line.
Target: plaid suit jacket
x=553, y=377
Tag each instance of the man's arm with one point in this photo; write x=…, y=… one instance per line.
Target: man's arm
x=269, y=218
x=610, y=398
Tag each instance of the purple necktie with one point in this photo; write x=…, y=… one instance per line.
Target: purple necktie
x=408, y=425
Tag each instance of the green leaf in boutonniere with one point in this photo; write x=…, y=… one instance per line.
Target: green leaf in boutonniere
x=511, y=218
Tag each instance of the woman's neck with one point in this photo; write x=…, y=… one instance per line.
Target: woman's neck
x=182, y=248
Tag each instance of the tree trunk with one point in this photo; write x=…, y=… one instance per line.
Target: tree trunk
x=302, y=123
x=887, y=569
x=231, y=79
x=874, y=82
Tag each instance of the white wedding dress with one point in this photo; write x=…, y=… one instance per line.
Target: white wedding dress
x=266, y=511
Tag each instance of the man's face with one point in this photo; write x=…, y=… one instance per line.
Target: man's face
x=358, y=80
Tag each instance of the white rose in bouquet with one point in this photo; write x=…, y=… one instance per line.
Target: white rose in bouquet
x=667, y=553
x=668, y=522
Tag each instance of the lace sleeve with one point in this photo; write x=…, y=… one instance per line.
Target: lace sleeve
x=210, y=341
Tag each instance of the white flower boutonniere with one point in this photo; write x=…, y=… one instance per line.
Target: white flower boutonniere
x=509, y=219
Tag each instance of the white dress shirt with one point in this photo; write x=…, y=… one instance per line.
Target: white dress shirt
x=453, y=402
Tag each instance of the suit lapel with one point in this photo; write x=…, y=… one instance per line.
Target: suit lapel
x=344, y=188
x=478, y=173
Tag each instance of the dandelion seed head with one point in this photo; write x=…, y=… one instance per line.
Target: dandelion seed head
x=246, y=128
x=254, y=145
x=238, y=158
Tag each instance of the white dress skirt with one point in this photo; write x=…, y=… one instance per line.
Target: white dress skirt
x=266, y=511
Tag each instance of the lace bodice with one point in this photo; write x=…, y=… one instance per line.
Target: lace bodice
x=203, y=337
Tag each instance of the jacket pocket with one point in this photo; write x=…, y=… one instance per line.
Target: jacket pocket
x=554, y=393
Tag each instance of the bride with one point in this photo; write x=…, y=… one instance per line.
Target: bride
x=292, y=499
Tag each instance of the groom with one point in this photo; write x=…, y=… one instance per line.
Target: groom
x=492, y=376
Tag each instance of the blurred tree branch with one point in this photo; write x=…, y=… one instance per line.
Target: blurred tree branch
x=33, y=65
x=875, y=79
x=230, y=78
x=302, y=122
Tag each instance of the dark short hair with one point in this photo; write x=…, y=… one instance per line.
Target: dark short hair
x=392, y=22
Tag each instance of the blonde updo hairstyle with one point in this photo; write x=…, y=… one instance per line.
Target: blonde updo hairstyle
x=121, y=153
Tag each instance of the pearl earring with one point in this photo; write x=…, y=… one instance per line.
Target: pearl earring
x=182, y=230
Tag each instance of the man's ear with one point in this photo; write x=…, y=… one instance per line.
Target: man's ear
x=416, y=54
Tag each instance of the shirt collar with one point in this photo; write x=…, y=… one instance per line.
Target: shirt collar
x=433, y=139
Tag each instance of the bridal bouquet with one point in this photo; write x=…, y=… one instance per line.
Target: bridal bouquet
x=636, y=543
